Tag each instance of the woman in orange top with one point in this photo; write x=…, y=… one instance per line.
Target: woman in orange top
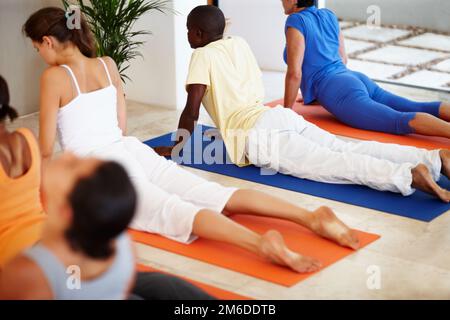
x=21, y=214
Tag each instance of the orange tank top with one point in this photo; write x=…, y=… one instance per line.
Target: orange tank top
x=21, y=213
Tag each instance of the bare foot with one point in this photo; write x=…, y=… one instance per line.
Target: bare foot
x=423, y=180
x=273, y=248
x=445, y=158
x=327, y=225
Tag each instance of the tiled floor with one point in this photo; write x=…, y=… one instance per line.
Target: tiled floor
x=353, y=46
x=380, y=35
x=346, y=24
x=417, y=51
x=432, y=78
x=402, y=55
x=413, y=256
x=443, y=66
x=429, y=41
x=375, y=70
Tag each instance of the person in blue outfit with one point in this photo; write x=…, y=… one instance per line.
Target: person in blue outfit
x=316, y=59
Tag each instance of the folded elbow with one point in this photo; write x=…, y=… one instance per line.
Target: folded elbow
x=294, y=76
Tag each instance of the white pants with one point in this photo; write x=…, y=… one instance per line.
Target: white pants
x=169, y=197
x=284, y=141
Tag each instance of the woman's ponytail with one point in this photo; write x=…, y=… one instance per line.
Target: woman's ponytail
x=6, y=111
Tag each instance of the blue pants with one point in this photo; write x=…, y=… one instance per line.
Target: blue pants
x=359, y=102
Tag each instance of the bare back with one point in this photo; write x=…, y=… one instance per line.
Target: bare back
x=15, y=155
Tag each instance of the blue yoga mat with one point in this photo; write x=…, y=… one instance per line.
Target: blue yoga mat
x=419, y=206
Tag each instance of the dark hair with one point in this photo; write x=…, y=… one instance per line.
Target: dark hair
x=305, y=3
x=52, y=21
x=6, y=111
x=103, y=206
x=209, y=19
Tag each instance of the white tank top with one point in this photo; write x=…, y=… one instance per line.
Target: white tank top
x=89, y=122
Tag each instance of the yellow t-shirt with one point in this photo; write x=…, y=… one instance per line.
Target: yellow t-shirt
x=235, y=92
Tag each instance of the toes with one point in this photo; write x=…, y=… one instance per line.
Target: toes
x=307, y=267
x=355, y=245
x=350, y=239
x=354, y=241
x=304, y=264
x=311, y=269
x=444, y=195
x=315, y=266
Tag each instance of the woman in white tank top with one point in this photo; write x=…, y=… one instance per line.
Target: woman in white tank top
x=82, y=99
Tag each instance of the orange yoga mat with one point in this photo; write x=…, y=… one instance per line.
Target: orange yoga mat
x=213, y=291
x=231, y=257
x=325, y=120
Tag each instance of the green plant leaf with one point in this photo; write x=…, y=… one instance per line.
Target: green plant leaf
x=112, y=23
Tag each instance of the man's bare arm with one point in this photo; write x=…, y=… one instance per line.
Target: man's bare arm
x=188, y=118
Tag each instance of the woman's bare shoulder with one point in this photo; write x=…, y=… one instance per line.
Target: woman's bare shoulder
x=23, y=279
x=110, y=62
x=112, y=67
x=53, y=76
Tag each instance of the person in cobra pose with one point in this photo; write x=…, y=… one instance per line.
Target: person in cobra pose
x=82, y=100
x=316, y=58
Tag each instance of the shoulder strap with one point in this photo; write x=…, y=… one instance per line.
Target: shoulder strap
x=107, y=71
x=73, y=78
x=51, y=267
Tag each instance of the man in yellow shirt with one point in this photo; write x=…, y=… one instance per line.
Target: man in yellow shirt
x=234, y=92
x=225, y=77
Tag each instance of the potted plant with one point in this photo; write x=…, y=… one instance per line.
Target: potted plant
x=112, y=24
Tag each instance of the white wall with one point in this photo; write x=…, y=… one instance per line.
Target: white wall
x=182, y=48
x=261, y=23
x=152, y=76
x=20, y=65
x=159, y=78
